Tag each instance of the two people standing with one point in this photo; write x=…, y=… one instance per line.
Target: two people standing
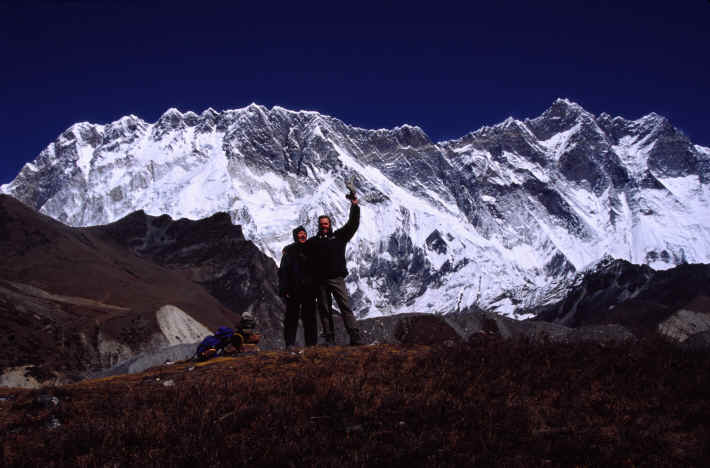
x=312, y=272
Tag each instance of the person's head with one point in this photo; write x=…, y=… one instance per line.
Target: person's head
x=324, y=224
x=299, y=235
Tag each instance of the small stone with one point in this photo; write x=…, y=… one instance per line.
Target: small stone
x=48, y=400
x=190, y=369
x=53, y=423
x=355, y=428
x=169, y=383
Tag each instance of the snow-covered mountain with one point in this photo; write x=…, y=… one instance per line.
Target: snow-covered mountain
x=501, y=218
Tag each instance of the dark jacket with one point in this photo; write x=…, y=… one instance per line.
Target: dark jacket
x=327, y=251
x=295, y=272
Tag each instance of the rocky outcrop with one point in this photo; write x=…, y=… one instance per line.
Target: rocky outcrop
x=471, y=322
x=673, y=303
x=683, y=324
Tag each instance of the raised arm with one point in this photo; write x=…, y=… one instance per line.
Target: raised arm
x=348, y=231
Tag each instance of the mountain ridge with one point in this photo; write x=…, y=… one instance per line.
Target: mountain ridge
x=496, y=218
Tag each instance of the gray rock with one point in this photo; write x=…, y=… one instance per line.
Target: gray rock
x=697, y=342
x=684, y=324
x=149, y=359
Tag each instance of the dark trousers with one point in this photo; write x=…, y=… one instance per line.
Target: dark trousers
x=335, y=287
x=303, y=307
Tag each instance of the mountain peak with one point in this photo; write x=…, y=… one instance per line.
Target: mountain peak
x=256, y=107
x=172, y=112
x=209, y=113
x=567, y=103
x=412, y=135
x=653, y=119
x=564, y=107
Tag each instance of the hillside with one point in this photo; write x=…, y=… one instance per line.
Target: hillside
x=487, y=402
x=77, y=299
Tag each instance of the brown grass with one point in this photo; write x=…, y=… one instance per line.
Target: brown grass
x=487, y=402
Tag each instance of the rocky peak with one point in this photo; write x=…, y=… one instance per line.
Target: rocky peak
x=172, y=113
x=82, y=132
x=562, y=116
x=191, y=119
x=614, y=127
x=408, y=135
x=125, y=127
x=172, y=119
x=672, y=154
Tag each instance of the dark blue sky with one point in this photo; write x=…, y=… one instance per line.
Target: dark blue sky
x=448, y=69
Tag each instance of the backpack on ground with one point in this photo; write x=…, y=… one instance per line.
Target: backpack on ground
x=214, y=345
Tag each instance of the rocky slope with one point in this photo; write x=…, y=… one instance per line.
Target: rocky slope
x=500, y=219
x=75, y=299
x=674, y=303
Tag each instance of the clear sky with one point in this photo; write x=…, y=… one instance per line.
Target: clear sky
x=446, y=68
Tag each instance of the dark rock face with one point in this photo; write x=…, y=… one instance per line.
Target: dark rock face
x=411, y=329
x=558, y=265
x=636, y=297
x=673, y=154
x=511, y=138
x=576, y=165
x=698, y=342
x=472, y=322
x=435, y=242
x=555, y=205
x=614, y=127
x=433, y=329
x=404, y=270
x=425, y=329
x=651, y=182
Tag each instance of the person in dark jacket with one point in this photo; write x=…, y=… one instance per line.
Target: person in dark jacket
x=297, y=287
x=327, y=252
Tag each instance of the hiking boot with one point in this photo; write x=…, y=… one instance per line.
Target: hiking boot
x=329, y=339
x=356, y=338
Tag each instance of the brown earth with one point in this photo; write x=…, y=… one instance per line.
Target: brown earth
x=487, y=402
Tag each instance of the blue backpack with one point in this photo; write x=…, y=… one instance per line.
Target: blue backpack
x=214, y=345
x=224, y=334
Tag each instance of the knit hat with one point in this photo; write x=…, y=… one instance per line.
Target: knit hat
x=297, y=230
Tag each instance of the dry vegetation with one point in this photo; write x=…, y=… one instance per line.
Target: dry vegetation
x=487, y=402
